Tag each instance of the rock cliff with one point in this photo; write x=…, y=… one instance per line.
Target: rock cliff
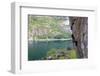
x=79, y=27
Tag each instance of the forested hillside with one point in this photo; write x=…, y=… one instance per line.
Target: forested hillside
x=48, y=27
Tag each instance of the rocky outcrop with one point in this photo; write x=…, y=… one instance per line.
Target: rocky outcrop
x=79, y=27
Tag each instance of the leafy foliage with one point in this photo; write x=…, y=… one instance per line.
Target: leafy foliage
x=61, y=54
x=43, y=27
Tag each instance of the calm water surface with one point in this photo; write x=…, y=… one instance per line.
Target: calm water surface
x=39, y=49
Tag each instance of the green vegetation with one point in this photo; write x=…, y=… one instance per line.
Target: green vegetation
x=52, y=53
x=61, y=54
x=72, y=54
x=43, y=27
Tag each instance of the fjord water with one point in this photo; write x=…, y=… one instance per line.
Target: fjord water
x=39, y=49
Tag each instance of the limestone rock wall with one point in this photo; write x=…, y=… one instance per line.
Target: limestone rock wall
x=79, y=27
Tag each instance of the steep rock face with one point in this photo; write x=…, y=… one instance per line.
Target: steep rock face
x=79, y=27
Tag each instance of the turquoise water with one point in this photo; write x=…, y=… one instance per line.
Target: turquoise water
x=39, y=49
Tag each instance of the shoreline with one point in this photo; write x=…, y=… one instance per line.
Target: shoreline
x=50, y=39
